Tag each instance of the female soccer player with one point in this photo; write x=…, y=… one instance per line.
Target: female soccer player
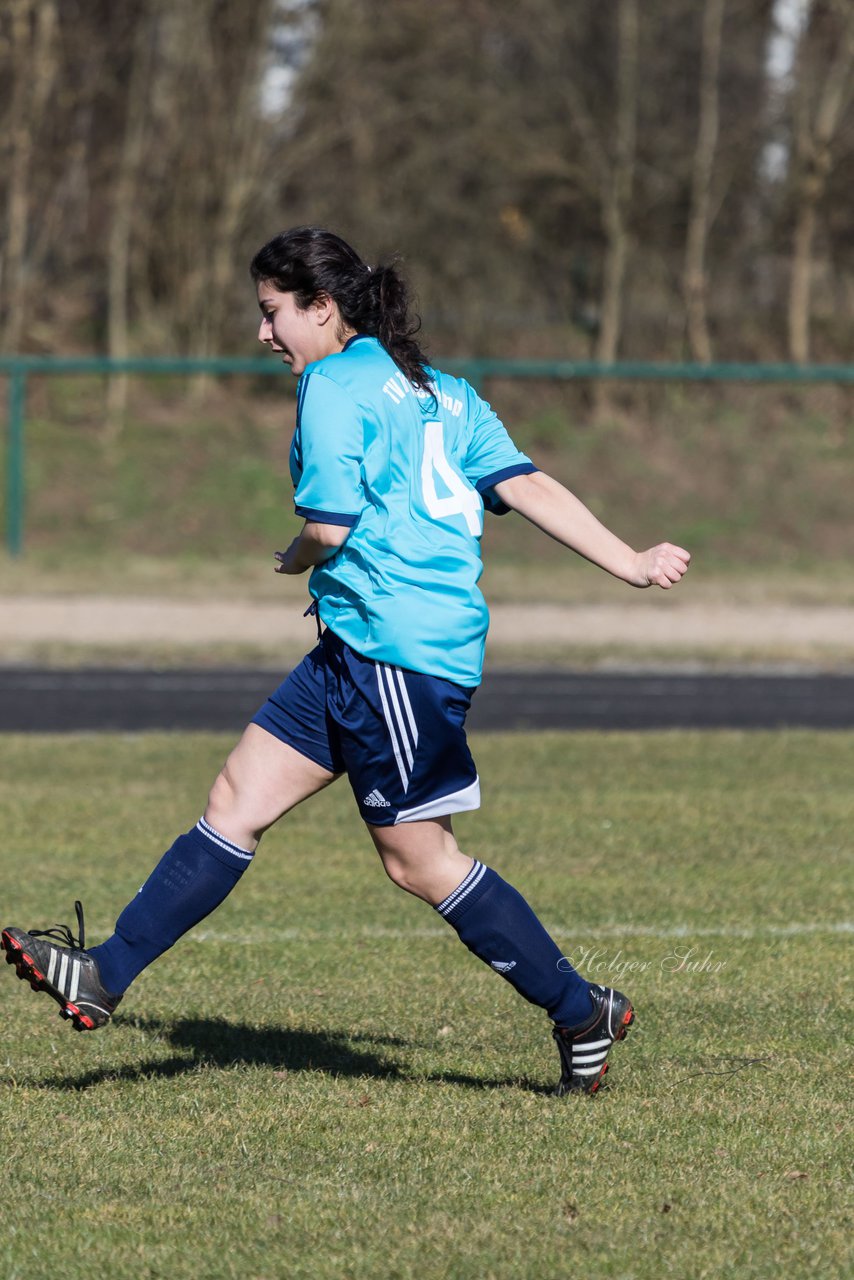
x=393, y=463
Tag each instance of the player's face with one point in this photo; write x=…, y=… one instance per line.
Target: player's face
x=301, y=336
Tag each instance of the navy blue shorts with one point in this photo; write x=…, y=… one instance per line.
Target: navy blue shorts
x=397, y=734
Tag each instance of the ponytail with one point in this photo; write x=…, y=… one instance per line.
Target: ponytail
x=383, y=312
x=308, y=261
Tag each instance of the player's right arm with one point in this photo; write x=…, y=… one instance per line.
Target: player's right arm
x=326, y=462
x=552, y=508
x=314, y=544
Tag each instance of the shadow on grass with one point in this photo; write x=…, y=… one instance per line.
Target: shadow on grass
x=207, y=1043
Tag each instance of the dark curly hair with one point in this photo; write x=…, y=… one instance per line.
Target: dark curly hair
x=309, y=261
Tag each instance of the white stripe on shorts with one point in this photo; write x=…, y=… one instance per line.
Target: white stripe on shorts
x=404, y=776
x=398, y=716
x=407, y=705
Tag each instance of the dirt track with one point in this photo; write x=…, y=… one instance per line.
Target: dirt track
x=770, y=630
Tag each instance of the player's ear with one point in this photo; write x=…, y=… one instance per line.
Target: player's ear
x=323, y=308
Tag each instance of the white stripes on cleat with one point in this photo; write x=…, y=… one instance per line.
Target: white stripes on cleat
x=63, y=973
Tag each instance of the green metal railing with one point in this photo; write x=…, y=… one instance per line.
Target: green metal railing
x=19, y=368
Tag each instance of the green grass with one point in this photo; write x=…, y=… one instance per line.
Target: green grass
x=354, y=1095
x=743, y=476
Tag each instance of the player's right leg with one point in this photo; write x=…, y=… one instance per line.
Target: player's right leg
x=282, y=758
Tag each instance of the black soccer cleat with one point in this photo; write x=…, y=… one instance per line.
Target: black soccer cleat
x=68, y=974
x=584, y=1049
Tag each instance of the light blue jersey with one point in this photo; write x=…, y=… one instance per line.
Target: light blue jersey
x=409, y=473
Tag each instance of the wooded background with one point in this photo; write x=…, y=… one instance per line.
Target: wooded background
x=667, y=179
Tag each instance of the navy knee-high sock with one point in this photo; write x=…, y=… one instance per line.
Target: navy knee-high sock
x=189, y=881
x=496, y=923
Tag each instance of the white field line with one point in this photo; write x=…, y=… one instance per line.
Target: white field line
x=297, y=934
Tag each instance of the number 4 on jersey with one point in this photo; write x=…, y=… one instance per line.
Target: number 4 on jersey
x=462, y=501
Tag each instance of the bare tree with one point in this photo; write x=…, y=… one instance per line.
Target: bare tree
x=124, y=191
x=207, y=163
x=608, y=150
x=244, y=158
x=617, y=192
x=33, y=65
x=558, y=177
x=825, y=86
x=695, y=281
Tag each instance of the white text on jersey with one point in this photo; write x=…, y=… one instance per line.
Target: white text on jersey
x=398, y=388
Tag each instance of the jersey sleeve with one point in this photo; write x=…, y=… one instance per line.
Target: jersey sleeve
x=330, y=451
x=491, y=455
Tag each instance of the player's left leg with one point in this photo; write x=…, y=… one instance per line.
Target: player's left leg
x=489, y=915
x=403, y=742
x=500, y=928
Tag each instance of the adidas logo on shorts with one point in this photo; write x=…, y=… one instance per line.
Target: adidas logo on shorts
x=376, y=800
x=503, y=966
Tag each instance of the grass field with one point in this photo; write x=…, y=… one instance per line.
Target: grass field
x=747, y=477
x=320, y=1082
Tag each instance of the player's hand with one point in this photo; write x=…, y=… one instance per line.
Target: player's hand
x=290, y=561
x=662, y=566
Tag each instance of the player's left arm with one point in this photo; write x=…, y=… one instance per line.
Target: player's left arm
x=552, y=508
x=313, y=545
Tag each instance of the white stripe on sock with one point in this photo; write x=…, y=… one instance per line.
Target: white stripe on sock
x=207, y=830
x=446, y=902
x=463, y=890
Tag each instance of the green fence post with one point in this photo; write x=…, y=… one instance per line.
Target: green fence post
x=15, y=462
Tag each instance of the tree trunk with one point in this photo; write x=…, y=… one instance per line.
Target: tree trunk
x=239, y=181
x=241, y=176
x=799, y=285
x=695, y=282
x=613, y=275
x=616, y=197
x=32, y=28
x=124, y=201
x=814, y=141
x=618, y=189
